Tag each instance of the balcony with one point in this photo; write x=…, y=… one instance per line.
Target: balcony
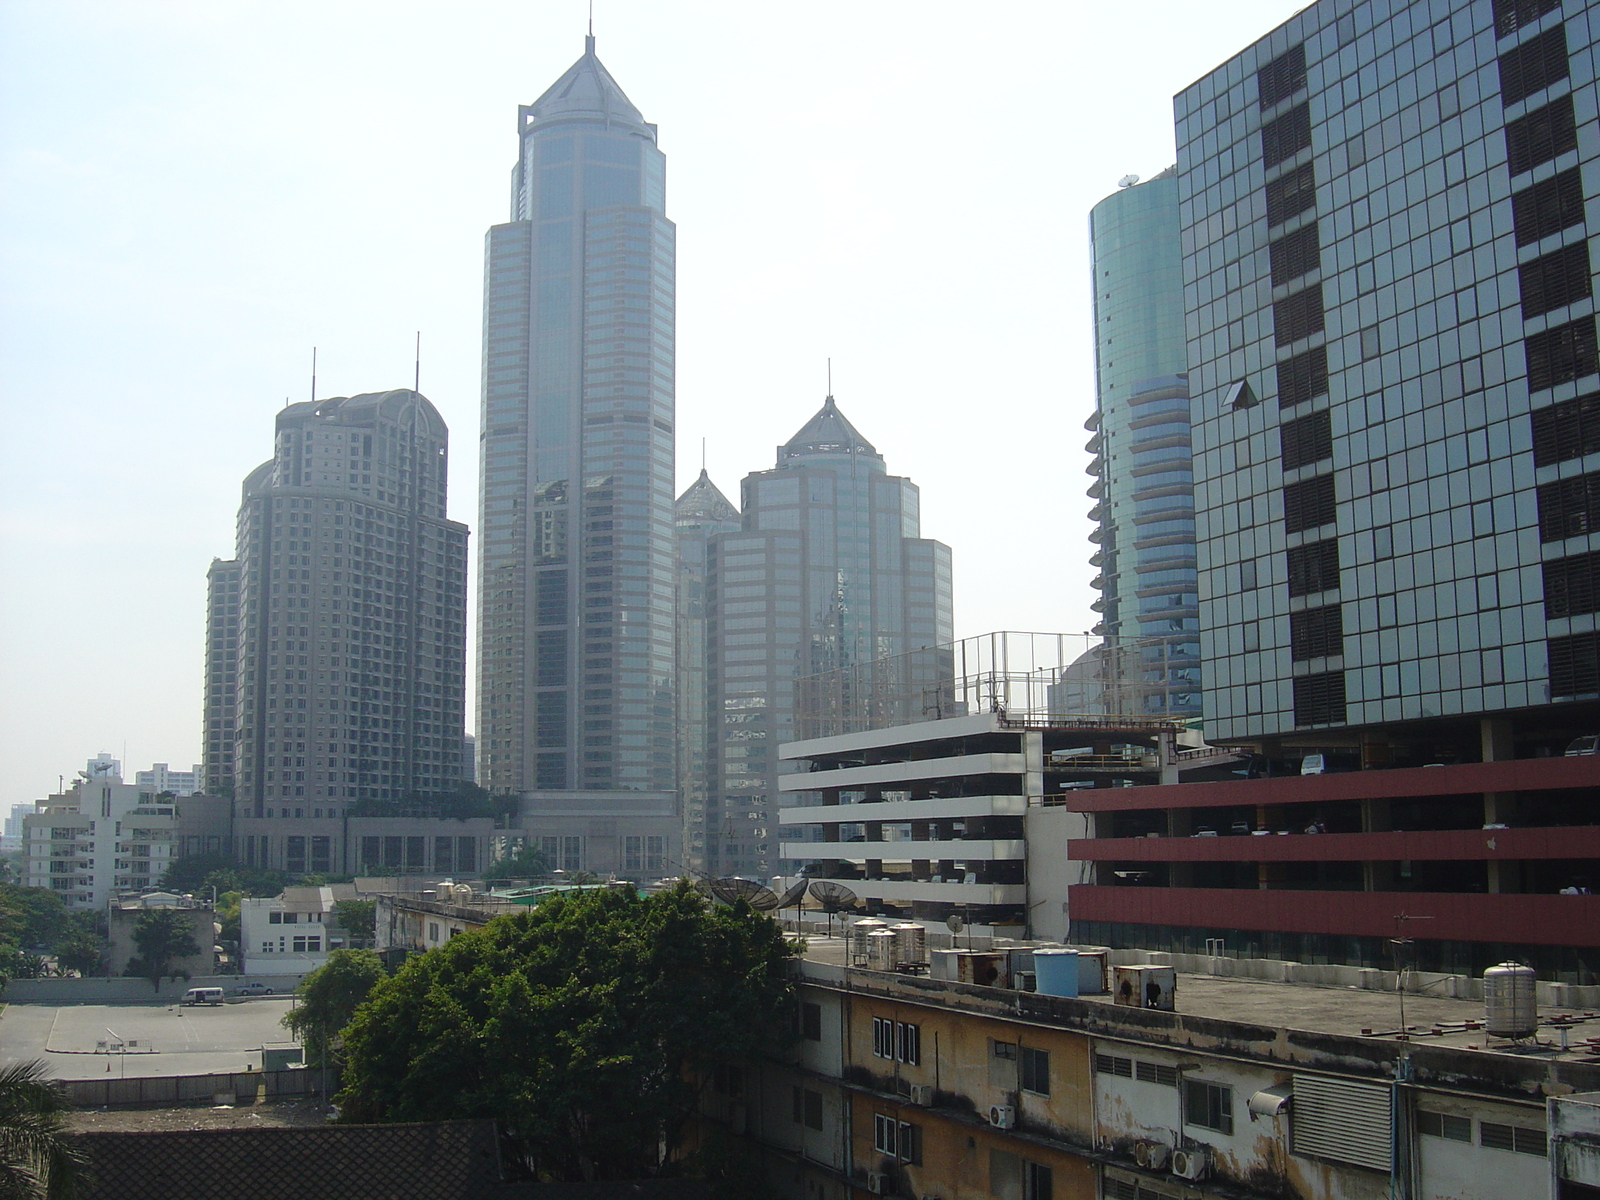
x=895, y=773
x=934, y=808
x=985, y=850
x=1391, y=846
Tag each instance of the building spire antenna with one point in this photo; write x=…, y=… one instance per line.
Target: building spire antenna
x=702, y=455
x=313, y=374
x=830, y=377
x=416, y=379
x=588, y=42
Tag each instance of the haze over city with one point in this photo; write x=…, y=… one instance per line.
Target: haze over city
x=197, y=196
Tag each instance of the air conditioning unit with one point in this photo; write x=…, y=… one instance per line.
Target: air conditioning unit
x=922, y=1095
x=877, y=1183
x=1152, y=1156
x=1002, y=1116
x=1191, y=1164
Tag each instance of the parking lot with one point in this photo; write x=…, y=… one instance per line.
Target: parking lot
x=171, y=1039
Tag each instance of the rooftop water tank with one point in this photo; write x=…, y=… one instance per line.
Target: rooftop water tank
x=911, y=942
x=1056, y=971
x=881, y=950
x=859, y=932
x=1510, y=1001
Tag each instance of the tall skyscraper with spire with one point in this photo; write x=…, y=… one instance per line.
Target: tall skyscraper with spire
x=575, y=666
x=829, y=570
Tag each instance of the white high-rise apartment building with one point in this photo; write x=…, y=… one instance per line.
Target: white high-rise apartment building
x=99, y=837
x=161, y=778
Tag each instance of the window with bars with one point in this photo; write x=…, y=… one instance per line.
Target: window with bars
x=1519, y=1138
x=1314, y=568
x=1284, y=137
x=1316, y=633
x=1555, y=279
x=1295, y=254
x=1560, y=354
x=1308, y=503
x=1282, y=77
x=1547, y=207
x=1111, y=1064
x=1534, y=65
x=1306, y=439
x=1571, y=585
x=1303, y=377
x=1512, y=15
x=1291, y=194
x=1569, y=507
x=1574, y=664
x=1319, y=699
x=1297, y=316
x=1540, y=136
x=1149, y=1072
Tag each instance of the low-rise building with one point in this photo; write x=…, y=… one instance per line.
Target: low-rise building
x=198, y=918
x=913, y=1086
x=294, y=932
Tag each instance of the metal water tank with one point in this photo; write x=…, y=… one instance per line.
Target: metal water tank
x=881, y=950
x=911, y=942
x=858, y=935
x=1510, y=1001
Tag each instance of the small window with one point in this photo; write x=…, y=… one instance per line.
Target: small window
x=1005, y=1050
x=1208, y=1105
x=1547, y=207
x=1561, y=354
x=275, y=918
x=1284, y=137
x=1444, y=1125
x=898, y=1139
x=1303, y=377
x=1574, y=664
x=1319, y=699
x=1293, y=193
x=907, y=1043
x=1157, y=1073
x=1538, y=137
x=1534, y=65
x=1297, y=316
x=811, y=1022
x=1571, y=585
x=1282, y=77
x=1034, y=1070
x=1518, y=1138
x=1306, y=440
x=1316, y=633
x=1036, y=1181
x=1314, y=568
x=1555, y=280
x=807, y=1107
x=1110, y=1064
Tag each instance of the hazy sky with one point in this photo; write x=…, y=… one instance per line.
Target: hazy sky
x=192, y=195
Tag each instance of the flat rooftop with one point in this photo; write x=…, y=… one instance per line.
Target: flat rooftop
x=1342, y=1011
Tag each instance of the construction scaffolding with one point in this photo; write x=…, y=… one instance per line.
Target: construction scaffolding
x=1030, y=678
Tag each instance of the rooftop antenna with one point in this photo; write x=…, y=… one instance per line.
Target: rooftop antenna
x=416, y=385
x=702, y=455
x=588, y=42
x=313, y=374
x=830, y=377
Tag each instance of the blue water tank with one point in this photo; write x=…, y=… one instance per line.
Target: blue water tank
x=1056, y=971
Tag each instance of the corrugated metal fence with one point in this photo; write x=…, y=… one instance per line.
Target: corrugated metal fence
x=166, y=1091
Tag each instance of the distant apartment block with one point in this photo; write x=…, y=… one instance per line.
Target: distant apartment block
x=99, y=837
x=160, y=779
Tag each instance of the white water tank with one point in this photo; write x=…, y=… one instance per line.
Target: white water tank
x=1510, y=1001
x=859, y=932
x=911, y=942
x=881, y=950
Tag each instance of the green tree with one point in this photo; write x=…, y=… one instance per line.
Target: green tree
x=526, y=863
x=196, y=874
x=587, y=1025
x=163, y=935
x=329, y=997
x=38, y=1160
x=358, y=918
x=30, y=916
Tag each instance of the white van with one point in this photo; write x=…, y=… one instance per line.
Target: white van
x=203, y=995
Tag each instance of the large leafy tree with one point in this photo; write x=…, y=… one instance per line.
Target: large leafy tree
x=586, y=1025
x=31, y=917
x=329, y=997
x=525, y=863
x=162, y=935
x=37, y=1158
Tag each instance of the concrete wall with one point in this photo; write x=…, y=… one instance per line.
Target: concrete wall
x=169, y=1091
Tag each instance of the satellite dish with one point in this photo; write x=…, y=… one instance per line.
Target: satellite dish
x=734, y=889
x=834, y=897
x=796, y=891
x=954, y=923
x=1127, y=181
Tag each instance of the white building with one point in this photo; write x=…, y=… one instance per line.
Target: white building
x=97, y=838
x=292, y=933
x=160, y=778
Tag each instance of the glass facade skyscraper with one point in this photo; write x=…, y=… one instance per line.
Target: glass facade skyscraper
x=575, y=658
x=1385, y=239
x=1143, y=478
x=829, y=570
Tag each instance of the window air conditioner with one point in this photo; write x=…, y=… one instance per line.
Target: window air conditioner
x=922, y=1095
x=1152, y=1156
x=877, y=1183
x=1002, y=1116
x=1191, y=1164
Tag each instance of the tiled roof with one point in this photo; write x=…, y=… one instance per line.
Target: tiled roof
x=444, y=1160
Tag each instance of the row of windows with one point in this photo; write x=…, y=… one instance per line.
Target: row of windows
x=1314, y=567
x=1548, y=207
x=1306, y=440
x=1534, y=65
x=1572, y=585
x=1303, y=377
x=1555, y=279
x=1308, y=503
x=1569, y=507
x=1319, y=699
x=1512, y=15
x=1541, y=136
x=1128, y=1068
x=1493, y=1134
x=1561, y=354
x=1316, y=633
x=896, y=1041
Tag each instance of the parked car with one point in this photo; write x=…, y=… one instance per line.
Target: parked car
x=252, y=989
